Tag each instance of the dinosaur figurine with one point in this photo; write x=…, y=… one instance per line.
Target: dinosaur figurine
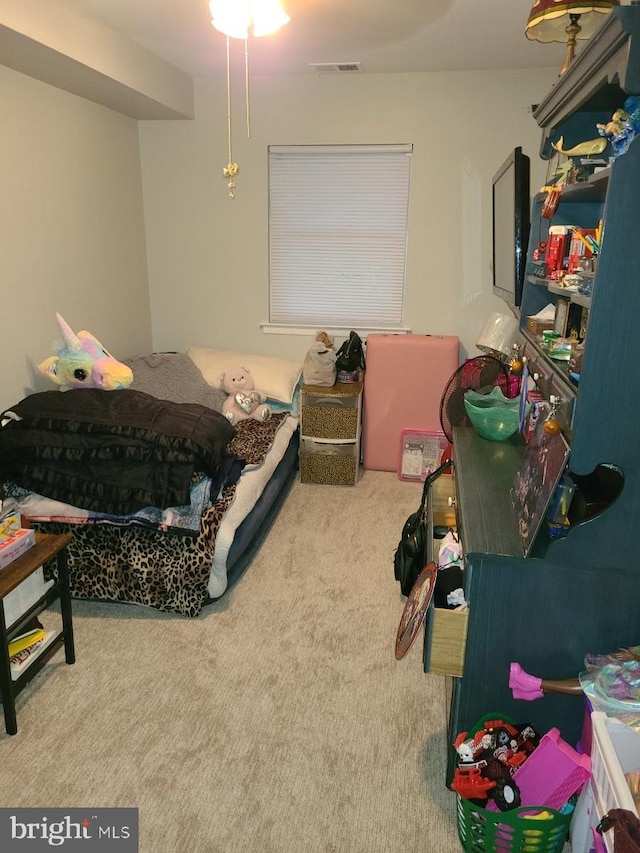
x=82, y=362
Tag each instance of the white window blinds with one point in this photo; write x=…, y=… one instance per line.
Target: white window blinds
x=338, y=234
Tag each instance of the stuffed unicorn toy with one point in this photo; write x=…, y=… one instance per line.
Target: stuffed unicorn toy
x=82, y=362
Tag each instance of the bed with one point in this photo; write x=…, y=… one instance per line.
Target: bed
x=174, y=556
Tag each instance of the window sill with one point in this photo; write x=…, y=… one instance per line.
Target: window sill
x=338, y=331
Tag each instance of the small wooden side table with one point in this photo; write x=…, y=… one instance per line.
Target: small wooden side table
x=48, y=545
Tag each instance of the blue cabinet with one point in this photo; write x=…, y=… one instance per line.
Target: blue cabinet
x=579, y=594
x=603, y=409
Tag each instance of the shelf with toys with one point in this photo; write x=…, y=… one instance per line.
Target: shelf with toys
x=589, y=123
x=582, y=261
x=577, y=594
x=571, y=293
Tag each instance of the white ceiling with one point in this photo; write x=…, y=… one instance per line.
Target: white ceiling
x=383, y=35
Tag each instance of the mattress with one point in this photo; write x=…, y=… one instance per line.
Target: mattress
x=251, y=533
x=403, y=385
x=248, y=491
x=179, y=558
x=167, y=570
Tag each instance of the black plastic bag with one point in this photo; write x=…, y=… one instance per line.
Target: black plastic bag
x=350, y=355
x=410, y=556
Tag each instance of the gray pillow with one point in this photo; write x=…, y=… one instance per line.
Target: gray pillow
x=173, y=376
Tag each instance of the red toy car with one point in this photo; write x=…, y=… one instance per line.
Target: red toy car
x=487, y=780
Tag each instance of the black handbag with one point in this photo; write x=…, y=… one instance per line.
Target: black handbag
x=410, y=556
x=350, y=355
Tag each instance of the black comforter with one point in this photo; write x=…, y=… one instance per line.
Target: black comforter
x=110, y=451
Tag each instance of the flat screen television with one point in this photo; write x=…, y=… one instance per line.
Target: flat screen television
x=510, y=226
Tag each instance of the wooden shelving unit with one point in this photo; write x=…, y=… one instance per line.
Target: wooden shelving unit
x=48, y=546
x=579, y=594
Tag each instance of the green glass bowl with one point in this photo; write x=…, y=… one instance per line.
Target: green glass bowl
x=493, y=416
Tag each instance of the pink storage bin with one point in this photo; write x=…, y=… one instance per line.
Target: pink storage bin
x=420, y=452
x=553, y=772
x=551, y=775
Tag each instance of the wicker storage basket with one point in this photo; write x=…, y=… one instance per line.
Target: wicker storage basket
x=335, y=465
x=528, y=829
x=330, y=421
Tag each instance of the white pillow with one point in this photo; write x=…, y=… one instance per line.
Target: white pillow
x=275, y=377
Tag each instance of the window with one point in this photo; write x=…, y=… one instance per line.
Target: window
x=338, y=235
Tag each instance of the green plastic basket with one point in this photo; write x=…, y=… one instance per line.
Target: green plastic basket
x=527, y=829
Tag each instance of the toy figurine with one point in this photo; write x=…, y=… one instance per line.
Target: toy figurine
x=529, y=687
x=610, y=681
x=619, y=131
x=488, y=759
x=632, y=108
x=590, y=148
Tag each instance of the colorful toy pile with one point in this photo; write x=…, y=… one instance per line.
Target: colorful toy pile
x=515, y=789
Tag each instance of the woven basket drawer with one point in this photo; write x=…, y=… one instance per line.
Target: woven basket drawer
x=335, y=419
x=328, y=464
x=448, y=641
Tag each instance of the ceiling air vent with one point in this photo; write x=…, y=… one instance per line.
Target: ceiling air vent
x=336, y=67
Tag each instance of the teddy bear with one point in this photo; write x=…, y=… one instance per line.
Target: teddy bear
x=244, y=401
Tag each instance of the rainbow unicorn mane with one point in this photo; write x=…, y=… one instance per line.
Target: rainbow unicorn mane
x=82, y=362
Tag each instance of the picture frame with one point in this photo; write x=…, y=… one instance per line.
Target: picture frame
x=568, y=320
x=542, y=467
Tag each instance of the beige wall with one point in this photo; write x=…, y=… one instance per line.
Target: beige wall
x=208, y=255
x=59, y=43
x=190, y=267
x=71, y=228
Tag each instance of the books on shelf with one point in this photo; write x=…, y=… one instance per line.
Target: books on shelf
x=23, y=658
x=27, y=639
x=16, y=545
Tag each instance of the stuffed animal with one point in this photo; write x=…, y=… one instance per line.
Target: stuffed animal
x=82, y=362
x=243, y=401
x=324, y=338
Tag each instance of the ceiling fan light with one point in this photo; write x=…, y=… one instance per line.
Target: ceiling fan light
x=231, y=17
x=235, y=17
x=268, y=16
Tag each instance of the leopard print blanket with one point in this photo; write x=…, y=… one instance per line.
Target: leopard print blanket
x=165, y=571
